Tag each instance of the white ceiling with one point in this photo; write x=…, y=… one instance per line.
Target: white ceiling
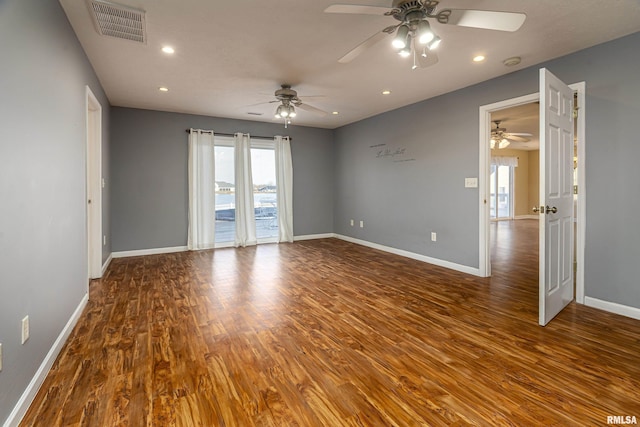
x=230, y=55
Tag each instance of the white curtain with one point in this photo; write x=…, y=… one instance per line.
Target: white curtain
x=245, y=212
x=504, y=161
x=202, y=206
x=284, y=183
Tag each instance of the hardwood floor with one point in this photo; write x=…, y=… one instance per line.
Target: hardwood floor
x=328, y=333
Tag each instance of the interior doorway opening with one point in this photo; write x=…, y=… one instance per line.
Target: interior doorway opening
x=489, y=112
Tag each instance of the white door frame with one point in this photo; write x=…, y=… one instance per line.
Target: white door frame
x=484, y=264
x=94, y=184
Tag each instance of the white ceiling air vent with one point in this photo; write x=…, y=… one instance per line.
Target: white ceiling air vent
x=119, y=21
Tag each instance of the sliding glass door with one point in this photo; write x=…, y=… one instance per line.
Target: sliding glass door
x=263, y=171
x=501, y=201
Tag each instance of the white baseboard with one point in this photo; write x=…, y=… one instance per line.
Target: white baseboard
x=155, y=251
x=314, y=236
x=412, y=255
x=527, y=217
x=32, y=389
x=613, y=307
x=106, y=264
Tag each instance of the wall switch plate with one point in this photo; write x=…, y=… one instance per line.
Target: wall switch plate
x=361, y=224
x=104, y=240
x=25, y=329
x=434, y=237
x=102, y=182
x=471, y=182
x=352, y=223
x=0, y=356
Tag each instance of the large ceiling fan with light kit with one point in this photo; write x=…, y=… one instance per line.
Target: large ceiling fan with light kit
x=500, y=138
x=413, y=32
x=288, y=100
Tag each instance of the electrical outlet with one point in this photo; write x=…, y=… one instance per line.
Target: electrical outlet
x=361, y=224
x=352, y=223
x=433, y=236
x=25, y=329
x=0, y=356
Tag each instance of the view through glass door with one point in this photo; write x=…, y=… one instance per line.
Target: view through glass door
x=263, y=171
x=501, y=201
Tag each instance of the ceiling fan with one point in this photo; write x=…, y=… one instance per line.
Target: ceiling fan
x=414, y=30
x=501, y=138
x=289, y=99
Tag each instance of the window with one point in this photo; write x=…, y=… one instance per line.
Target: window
x=263, y=171
x=225, y=198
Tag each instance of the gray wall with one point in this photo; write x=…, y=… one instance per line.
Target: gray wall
x=402, y=202
x=149, y=169
x=43, y=255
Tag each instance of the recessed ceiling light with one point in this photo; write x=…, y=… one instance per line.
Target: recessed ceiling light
x=478, y=58
x=163, y=89
x=335, y=113
x=168, y=49
x=386, y=92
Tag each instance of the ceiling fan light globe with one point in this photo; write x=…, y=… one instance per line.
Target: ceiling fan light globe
x=425, y=35
x=405, y=53
x=433, y=44
x=503, y=144
x=400, y=40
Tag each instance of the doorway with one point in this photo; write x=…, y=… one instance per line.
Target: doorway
x=486, y=125
x=94, y=185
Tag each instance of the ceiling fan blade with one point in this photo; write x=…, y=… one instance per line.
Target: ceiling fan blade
x=311, y=109
x=429, y=60
x=520, y=134
x=261, y=103
x=511, y=137
x=311, y=97
x=355, y=52
x=490, y=20
x=357, y=9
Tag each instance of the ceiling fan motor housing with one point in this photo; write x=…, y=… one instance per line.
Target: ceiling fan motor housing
x=411, y=10
x=286, y=94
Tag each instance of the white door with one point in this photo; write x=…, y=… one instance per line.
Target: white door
x=556, y=196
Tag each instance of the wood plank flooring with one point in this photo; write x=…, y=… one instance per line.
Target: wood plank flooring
x=328, y=333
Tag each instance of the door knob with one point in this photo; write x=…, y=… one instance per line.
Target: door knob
x=552, y=210
x=537, y=209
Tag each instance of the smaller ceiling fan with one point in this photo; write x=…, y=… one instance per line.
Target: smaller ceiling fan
x=289, y=99
x=500, y=138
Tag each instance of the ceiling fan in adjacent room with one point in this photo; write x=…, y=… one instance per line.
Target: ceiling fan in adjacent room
x=413, y=33
x=500, y=138
x=288, y=100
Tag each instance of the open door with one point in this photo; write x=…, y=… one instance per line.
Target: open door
x=556, y=196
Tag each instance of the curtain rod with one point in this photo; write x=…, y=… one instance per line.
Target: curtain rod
x=232, y=134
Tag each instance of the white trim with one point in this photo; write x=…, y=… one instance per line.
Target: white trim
x=314, y=236
x=106, y=264
x=581, y=216
x=613, y=307
x=93, y=182
x=155, y=251
x=485, y=111
x=30, y=392
x=527, y=217
x=412, y=255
